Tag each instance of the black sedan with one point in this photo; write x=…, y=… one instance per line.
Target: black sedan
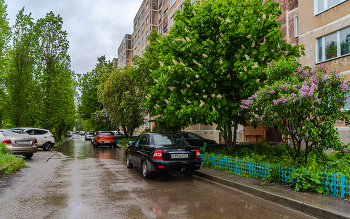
x=196, y=140
x=157, y=152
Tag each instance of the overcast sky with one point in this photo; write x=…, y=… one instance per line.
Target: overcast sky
x=94, y=28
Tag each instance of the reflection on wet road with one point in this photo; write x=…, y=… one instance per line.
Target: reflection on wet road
x=85, y=182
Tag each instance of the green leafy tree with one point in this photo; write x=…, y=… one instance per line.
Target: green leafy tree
x=56, y=99
x=89, y=103
x=304, y=105
x=212, y=59
x=4, y=39
x=19, y=79
x=121, y=100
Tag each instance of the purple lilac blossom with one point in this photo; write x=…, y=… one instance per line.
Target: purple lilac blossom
x=272, y=92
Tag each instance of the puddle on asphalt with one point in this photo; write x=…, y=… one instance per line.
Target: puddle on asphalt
x=78, y=148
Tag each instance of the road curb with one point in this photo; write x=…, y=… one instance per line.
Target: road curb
x=287, y=202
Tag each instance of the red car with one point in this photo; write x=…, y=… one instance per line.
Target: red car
x=104, y=138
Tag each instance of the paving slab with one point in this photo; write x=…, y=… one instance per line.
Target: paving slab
x=319, y=205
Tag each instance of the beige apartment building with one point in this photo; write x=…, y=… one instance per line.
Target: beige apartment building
x=124, y=51
x=324, y=30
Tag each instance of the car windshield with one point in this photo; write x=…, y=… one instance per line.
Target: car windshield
x=169, y=139
x=90, y=133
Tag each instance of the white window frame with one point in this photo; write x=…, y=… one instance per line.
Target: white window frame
x=325, y=6
x=172, y=2
x=324, y=47
x=146, y=120
x=147, y=6
x=172, y=19
x=165, y=28
x=296, y=26
x=160, y=15
x=160, y=29
x=165, y=12
x=159, y=2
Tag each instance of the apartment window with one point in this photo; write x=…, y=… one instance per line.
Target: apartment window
x=143, y=13
x=172, y=2
x=142, y=27
x=146, y=35
x=160, y=15
x=333, y=45
x=132, y=53
x=296, y=26
x=146, y=20
x=146, y=123
x=159, y=2
x=139, y=47
x=138, y=34
x=135, y=26
x=181, y=7
x=165, y=28
x=193, y=1
x=165, y=12
x=138, y=21
x=142, y=41
x=146, y=6
x=160, y=29
x=323, y=5
x=172, y=21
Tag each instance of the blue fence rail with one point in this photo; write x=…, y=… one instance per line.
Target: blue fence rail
x=333, y=184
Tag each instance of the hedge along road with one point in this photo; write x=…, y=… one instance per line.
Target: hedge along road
x=79, y=181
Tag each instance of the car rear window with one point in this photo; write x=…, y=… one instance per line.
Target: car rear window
x=90, y=133
x=169, y=139
x=106, y=133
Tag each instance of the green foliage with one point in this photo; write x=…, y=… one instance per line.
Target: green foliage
x=121, y=99
x=124, y=141
x=304, y=180
x=212, y=59
x=3, y=149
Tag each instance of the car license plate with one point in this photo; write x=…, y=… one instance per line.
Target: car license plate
x=179, y=155
x=106, y=142
x=23, y=142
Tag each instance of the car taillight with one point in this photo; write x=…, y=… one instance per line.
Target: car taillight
x=112, y=136
x=7, y=141
x=99, y=136
x=53, y=136
x=198, y=154
x=158, y=155
x=36, y=141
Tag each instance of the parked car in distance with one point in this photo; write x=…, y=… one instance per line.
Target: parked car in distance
x=118, y=134
x=89, y=136
x=158, y=152
x=69, y=134
x=195, y=140
x=104, y=138
x=45, y=139
x=19, y=144
x=82, y=133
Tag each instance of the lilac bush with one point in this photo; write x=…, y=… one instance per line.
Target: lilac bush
x=303, y=104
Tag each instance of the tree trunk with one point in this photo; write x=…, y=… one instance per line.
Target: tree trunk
x=125, y=131
x=229, y=143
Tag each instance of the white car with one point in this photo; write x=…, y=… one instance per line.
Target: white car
x=46, y=140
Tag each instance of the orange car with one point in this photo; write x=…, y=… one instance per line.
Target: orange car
x=104, y=138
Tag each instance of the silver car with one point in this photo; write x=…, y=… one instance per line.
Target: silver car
x=19, y=144
x=46, y=140
x=89, y=136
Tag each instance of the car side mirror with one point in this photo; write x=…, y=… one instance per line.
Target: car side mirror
x=130, y=143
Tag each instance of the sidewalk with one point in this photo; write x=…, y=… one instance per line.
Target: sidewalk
x=319, y=205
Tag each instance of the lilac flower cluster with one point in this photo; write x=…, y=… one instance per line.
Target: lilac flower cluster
x=344, y=150
x=101, y=116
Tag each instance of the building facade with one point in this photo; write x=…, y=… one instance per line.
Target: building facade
x=124, y=51
x=324, y=30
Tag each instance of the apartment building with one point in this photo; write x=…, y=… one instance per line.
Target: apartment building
x=324, y=30
x=124, y=51
x=145, y=20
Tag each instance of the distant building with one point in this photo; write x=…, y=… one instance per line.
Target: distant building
x=124, y=51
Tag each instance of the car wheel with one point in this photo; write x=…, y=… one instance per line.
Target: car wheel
x=28, y=156
x=145, y=173
x=47, y=146
x=128, y=163
x=188, y=173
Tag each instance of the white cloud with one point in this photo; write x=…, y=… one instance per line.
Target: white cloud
x=94, y=28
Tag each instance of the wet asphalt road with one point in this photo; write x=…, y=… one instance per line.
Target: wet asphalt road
x=79, y=181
